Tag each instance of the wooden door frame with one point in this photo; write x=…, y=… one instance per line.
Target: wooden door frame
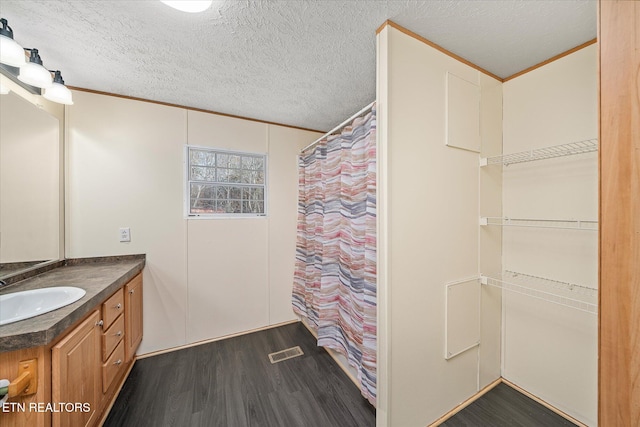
x=619, y=198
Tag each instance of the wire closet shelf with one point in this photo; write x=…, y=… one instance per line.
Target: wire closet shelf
x=563, y=224
x=570, y=149
x=579, y=297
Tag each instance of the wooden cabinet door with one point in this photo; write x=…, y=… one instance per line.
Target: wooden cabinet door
x=133, y=316
x=75, y=374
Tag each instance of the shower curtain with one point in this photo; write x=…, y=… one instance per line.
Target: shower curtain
x=335, y=273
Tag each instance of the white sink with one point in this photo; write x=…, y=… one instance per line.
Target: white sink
x=23, y=305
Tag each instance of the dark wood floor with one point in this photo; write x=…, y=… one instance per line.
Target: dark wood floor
x=503, y=406
x=231, y=383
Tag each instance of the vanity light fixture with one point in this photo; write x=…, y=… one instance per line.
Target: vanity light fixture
x=192, y=6
x=11, y=53
x=58, y=92
x=33, y=73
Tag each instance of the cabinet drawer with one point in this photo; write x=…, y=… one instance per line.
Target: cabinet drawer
x=111, y=337
x=112, y=308
x=112, y=367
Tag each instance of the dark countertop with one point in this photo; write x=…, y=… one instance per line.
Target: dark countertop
x=99, y=277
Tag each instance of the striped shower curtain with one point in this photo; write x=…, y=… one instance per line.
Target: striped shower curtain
x=335, y=274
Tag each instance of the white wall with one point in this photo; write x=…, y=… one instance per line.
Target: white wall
x=204, y=278
x=124, y=169
x=550, y=350
x=283, y=215
x=490, y=243
x=29, y=181
x=428, y=212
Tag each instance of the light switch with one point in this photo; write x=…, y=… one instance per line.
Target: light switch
x=125, y=234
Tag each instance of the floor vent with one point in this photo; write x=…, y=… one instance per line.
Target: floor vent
x=289, y=353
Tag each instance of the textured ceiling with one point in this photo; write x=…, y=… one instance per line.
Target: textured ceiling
x=304, y=63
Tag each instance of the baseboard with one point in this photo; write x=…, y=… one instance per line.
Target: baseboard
x=465, y=403
x=488, y=388
x=193, y=344
x=543, y=403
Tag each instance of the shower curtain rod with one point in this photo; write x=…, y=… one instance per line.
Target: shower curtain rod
x=314, y=143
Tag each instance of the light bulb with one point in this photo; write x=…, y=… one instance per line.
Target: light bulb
x=11, y=53
x=58, y=93
x=33, y=73
x=191, y=6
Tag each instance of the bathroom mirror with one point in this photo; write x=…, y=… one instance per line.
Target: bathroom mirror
x=30, y=183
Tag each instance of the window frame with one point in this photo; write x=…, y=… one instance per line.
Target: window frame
x=222, y=215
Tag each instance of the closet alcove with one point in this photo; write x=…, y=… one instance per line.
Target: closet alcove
x=511, y=223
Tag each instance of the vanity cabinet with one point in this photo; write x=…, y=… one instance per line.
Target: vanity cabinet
x=89, y=363
x=83, y=367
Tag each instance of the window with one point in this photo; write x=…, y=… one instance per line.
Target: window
x=225, y=183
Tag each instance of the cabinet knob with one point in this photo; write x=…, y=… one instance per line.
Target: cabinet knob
x=131, y=291
x=118, y=307
x=119, y=334
x=99, y=323
x=118, y=362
